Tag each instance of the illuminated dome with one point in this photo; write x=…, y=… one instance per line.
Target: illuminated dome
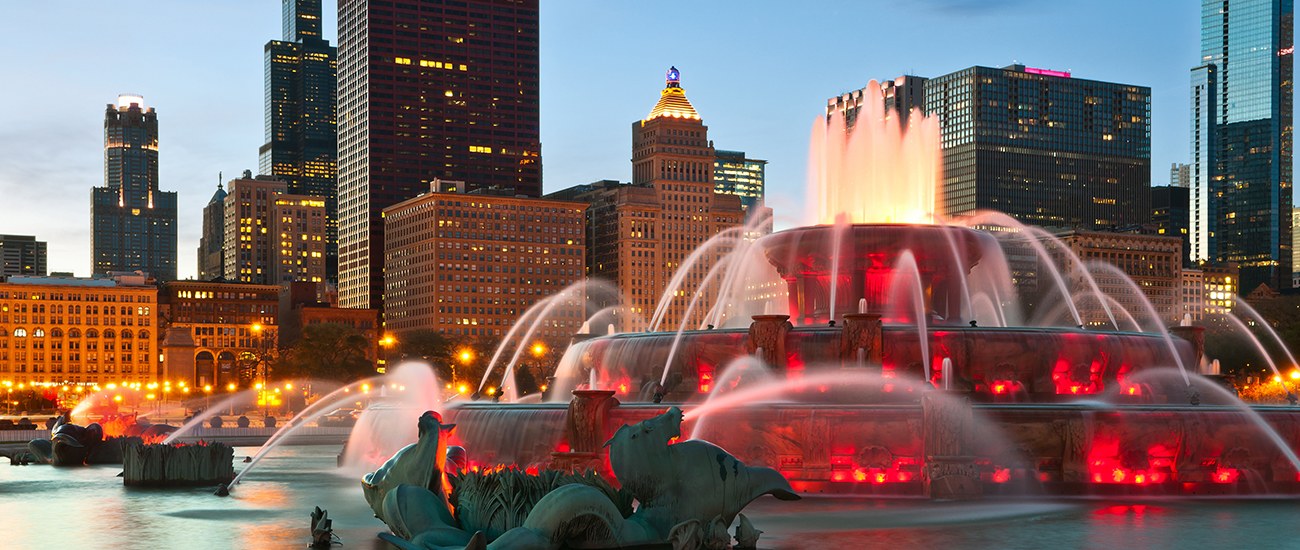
x=672, y=101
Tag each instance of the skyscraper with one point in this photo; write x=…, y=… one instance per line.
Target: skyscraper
x=640, y=234
x=1171, y=215
x=1043, y=147
x=272, y=237
x=22, y=255
x=429, y=90
x=301, y=141
x=1180, y=175
x=1241, y=142
x=212, y=258
x=133, y=223
x=900, y=95
x=736, y=174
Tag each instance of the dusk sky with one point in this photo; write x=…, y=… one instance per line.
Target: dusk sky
x=758, y=73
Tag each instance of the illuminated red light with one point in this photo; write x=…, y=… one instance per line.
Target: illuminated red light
x=889, y=388
x=999, y=388
x=859, y=475
x=1002, y=476
x=880, y=478
x=1227, y=475
x=1119, y=475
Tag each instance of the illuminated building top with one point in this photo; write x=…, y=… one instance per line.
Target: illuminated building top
x=672, y=101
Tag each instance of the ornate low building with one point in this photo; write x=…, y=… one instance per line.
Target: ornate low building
x=233, y=325
x=79, y=331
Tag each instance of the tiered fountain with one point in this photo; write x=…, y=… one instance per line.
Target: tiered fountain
x=890, y=367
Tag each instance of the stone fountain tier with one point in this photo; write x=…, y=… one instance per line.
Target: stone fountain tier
x=942, y=446
x=990, y=364
x=869, y=255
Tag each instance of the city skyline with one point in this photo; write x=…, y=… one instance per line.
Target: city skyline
x=212, y=96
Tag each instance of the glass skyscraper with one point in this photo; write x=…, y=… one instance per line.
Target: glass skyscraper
x=133, y=224
x=1043, y=147
x=301, y=141
x=1241, y=142
x=734, y=174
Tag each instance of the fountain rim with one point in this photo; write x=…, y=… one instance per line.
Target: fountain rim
x=909, y=327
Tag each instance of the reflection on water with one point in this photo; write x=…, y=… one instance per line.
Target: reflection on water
x=42, y=507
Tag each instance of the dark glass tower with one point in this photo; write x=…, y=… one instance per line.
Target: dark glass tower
x=1043, y=147
x=1242, y=126
x=429, y=90
x=301, y=142
x=133, y=224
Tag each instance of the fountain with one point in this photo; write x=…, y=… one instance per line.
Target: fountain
x=932, y=387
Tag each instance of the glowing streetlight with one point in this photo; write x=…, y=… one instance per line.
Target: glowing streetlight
x=1295, y=375
x=538, y=350
x=462, y=389
x=230, y=387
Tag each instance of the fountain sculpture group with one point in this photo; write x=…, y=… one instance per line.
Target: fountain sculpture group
x=689, y=493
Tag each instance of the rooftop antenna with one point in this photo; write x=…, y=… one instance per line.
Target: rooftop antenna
x=219, y=179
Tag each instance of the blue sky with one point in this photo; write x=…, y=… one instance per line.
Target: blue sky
x=758, y=72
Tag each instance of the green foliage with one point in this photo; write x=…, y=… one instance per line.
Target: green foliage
x=429, y=345
x=328, y=351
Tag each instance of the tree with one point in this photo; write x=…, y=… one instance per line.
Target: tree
x=429, y=345
x=329, y=351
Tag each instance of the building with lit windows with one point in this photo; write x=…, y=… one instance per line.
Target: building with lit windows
x=1044, y=147
x=1171, y=214
x=1222, y=283
x=133, y=223
x=22, y=255
x=301, y=307
x=272, y=237
x=301, y=141
x=69, y=330
x=232, y=324
x=1193, y=293
x=1241, y=139
x=640, y=233
x=469, y=264
x=429, y=89
x=736, y=174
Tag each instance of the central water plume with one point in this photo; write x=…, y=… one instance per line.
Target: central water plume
x=877, y=171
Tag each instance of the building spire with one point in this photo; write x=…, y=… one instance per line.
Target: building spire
x=674, y=78
x=672, y=100
x=219, y=180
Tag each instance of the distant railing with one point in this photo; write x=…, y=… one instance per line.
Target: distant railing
x=23, y=436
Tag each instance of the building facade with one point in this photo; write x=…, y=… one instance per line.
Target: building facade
x=1171, y=214
x=133, y=223
x=470, y=264
x=1043, y=147
x=272, y=237
x=234, y=326
x=81, y=331
x=736, y=174
x=1180, y=175
x=429, y=90
x=901, y=95
x=1241, y=141
x=22, y=255
x=1153, y=262
x=212, y=250
x=301, y=139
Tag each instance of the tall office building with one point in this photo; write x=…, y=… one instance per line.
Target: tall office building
x=1171, y=214
x=900, y=95
x=1043, y=147
x=736, y=174
x=1180, y=175
x=639, y=234
x=301, y=142
x=271, y=236
x=429, y=90
x=212, y=257
x=1241, y=140
x=21, y=255
x=133, y=223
